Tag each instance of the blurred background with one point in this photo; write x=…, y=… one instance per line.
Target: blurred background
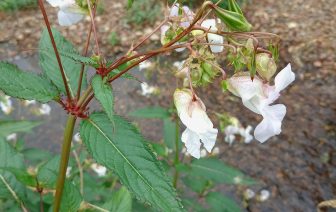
x=297, y=168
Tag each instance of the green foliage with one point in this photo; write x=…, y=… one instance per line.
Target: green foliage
x=233, y=20
x=220, y=203
x=10, y=187
x=217, y=171
x=144, y=12
x=47, y=176
x=9, y=127
x=132, y=161
x=121, y=201
x=13, y=5
x=50, y=66
x=24, y=85
x=103, y=93
x=129, y=3
x=151, y=112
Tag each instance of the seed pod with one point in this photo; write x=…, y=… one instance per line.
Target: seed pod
x=234, y=6
x=233, y=20
x=266, y=66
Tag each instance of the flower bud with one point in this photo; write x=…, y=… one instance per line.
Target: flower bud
x=183, y=73
x=233, y=20
x=266, y=66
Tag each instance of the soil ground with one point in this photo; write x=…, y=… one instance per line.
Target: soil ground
x=298, y=166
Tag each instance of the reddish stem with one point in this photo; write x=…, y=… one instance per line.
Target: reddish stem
x=55, y=50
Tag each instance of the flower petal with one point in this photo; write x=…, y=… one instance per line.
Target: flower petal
x=285, y=77
x=213, y=38
x=271, y=124
x=192, y=143
x=68, y=18
x=209, y=139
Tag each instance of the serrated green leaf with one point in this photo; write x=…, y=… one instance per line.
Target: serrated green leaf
x=125, y=75
x=221, y=203
x=216, y=170
x=22, y=176
x=197, y=184
x=125, y=152
x=192, y=205
x=151, y=112
x=9, y=127
x=121, y=201
x=50, y=66
x=103, y=93
x=47, y=177
x=24, y=85
x=10, y=187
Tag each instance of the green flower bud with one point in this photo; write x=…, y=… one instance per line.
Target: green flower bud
x=233, y=20
x=234, y=6
x=266, y=66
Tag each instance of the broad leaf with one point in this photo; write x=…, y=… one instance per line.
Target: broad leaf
x=220, y=203
x=214, y=169
x=22, y=176
x=121, y=201
x=10, y=187
x=125, y=152
x=170, y=134
x=49, y=65
x=24, y=85
x=103, y=93
x=9, y=127
x=151, y=112
x=47, y=177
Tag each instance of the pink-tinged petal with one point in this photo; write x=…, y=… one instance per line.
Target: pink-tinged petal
x=213, y=38
x=192, y=143
x=67, y=19
x=209, y=139
x=61, y=3
x=271, y=124
x=174, y=10
x=285, y=77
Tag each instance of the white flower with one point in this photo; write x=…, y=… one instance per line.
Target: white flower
x=215, y=151
x=230, y=132
x=183, y=20
x=29, y=102
x=11, y=137
x=100, y=170
x=45, y=109
x=179, y=64
x=69, y=13
x=246, y=134
x=258, y=97
x=77, y=137
x=147, y=90
x=203, y=153
x=249, y=194
x=264, y=195
x=199, y=126
x=6, y=105
x=144, y=65
x=68, y=171
x=213, y=38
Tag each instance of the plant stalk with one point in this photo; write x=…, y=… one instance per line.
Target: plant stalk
x=176, y=160
x=66, y=147
x=66, y=85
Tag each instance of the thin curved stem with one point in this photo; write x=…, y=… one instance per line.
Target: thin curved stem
x=66, y=147
x=66, y=85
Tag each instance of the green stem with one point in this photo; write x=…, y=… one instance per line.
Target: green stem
x=176, y=160
x=69, y=127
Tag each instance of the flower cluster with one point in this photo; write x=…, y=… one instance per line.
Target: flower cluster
x=201, y=68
